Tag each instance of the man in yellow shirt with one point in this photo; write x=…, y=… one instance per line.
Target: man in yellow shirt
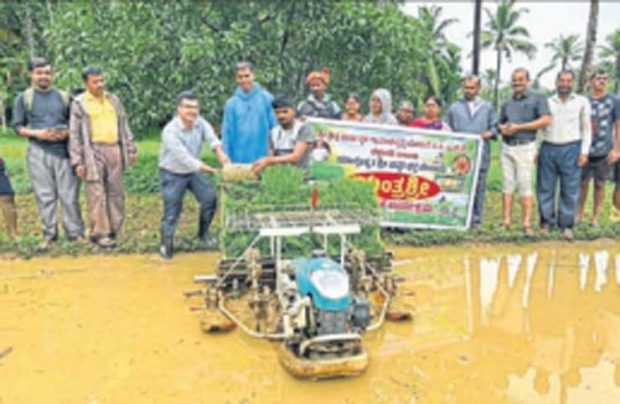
x=101, y=147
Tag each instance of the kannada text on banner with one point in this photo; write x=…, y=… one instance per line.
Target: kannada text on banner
x=423, y=179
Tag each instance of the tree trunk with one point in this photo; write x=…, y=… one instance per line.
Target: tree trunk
x=3, y=118
x=590, y=43
x=476, y=53
x=284, y=42
x=48, y=4
x=497, y=78
x=29, y=30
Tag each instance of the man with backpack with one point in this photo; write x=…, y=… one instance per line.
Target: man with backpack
x=41, y=114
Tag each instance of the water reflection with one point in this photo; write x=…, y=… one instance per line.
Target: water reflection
x=547, y=327
x=496, y=324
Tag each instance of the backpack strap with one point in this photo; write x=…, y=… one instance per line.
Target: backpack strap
x=28, y=97
x=65, y=96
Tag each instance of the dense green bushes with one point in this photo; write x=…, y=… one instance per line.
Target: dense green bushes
x=282, y=189
x=152, y=50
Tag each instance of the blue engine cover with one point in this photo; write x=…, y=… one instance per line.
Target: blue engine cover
x=325, y=281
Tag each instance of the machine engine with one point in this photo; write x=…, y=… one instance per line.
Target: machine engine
x=336, y=310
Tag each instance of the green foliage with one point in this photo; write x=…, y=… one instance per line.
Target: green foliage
x=610, y=53
x=282, y=185
x=151, y=51
x=503, y=35
x=142, y=178
x=283, y=188
x=442, y=57
x=358, y=194
x=20, y=33
x=566, y=49
x=141, y=232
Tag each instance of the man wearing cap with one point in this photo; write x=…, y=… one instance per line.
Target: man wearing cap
x=180, y=168
x=319, y=104
x=289, y=142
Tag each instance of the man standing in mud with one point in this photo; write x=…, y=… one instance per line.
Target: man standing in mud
x=564, y=150
x=41, y=114
x=605, y=109
x=180, y=169
x=521, y=116
x=471, y=114
x=248, y=118
x=101, y=146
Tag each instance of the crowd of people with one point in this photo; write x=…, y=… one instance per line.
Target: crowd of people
x=86, y=137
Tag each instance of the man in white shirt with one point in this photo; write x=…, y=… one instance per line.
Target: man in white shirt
x=181, y=169
x=564, y=150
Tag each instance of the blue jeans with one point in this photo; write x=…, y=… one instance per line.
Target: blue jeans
x=173, y=187
x=558, y=164
x=5, y=183
x=481, y=186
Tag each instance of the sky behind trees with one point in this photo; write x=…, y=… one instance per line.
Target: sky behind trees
x=545, y=21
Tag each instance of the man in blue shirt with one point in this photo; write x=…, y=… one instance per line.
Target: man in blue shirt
x=180, y=168
x=248, y=118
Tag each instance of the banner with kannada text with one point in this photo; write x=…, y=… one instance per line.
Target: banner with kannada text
x=423, y=178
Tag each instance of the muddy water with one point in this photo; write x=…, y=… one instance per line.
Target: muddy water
x=492, y=324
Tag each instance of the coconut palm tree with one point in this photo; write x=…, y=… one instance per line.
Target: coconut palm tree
x=487, y=83
x=432, y=20
x=476, y=45
x=536, y=81
x=503, y=34
x=566, y=49
x=439, y=48
x=611, y=52
x=590, y=43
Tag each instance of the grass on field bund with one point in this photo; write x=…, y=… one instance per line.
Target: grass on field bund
x=144, y=207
